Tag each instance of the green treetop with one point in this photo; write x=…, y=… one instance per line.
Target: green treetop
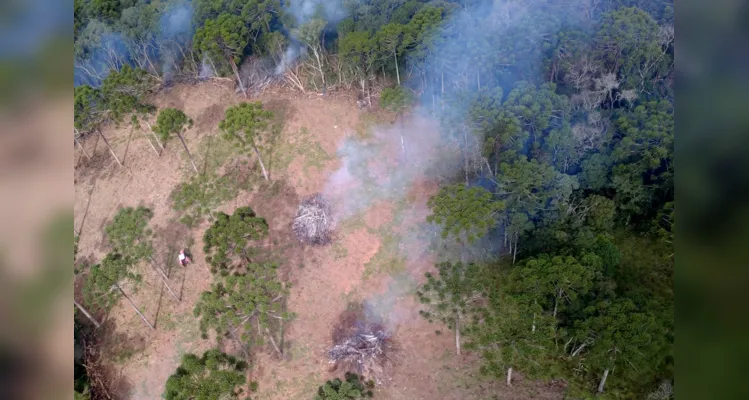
x=246, y=307
x=129, y=235
x=215, y=375
x=616, y=335
x=174, y=122
x=352, y=388
x=466, y=213
x=125, y=90
x=245, y=124
x=512, y=334
x=453, y=294
x=104, y=283
x=226, y=240
x=552, y=282
x=223, y=40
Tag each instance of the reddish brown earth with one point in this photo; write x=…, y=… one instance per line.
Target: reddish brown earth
x=324, y=279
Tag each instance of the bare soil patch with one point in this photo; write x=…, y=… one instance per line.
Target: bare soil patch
x=301, y=157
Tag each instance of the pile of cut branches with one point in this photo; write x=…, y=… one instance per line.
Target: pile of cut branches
x=367, y=350
x=313, y=223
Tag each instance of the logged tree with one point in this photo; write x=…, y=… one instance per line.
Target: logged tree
x=226, y=240
x=224, y=38
x=357, y=50
x=103, y=284
x=89, y=112
x=215, y=375
x=397, y=100
x=247, y=307
x=174, y=122
x=246, y=123
x=310, y=34
x=352, y=388
x=452, y=295
x=129, y=235
x=125, y=91
x=466, y=213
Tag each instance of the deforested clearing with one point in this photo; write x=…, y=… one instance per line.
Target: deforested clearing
x=146, y=357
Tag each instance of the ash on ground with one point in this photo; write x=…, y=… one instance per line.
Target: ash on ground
x=313, y=223
x=362, y=346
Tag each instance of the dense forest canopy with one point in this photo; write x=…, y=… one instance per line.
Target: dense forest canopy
x=563, y=113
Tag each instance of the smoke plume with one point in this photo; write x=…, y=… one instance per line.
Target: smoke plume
x=403, y=162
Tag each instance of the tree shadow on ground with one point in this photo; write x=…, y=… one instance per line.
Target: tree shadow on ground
x=103, y=349
x=168, y=241
x=281, y=109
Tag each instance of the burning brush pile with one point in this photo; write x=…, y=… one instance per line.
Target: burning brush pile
x=313, y=223
x=367, y=349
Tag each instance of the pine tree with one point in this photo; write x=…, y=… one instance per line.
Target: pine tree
x=352, y=388
x=246, y=307
x=214, y=375
x=174, y=122
x=466, y=213
x=246, y=123
x=452, y=295
x=103, y=284
x=225, y=242
x=224, y=39
x=129, y=235
x=617, y=336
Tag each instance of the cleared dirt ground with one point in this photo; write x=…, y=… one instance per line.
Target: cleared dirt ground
x=373, y=259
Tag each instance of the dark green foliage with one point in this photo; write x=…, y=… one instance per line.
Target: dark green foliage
x=214, y=375
x=125, y=90
x=453, y=293
x=395, y=99
x=222, y=39
x=530, y=188
x=108, y=10
x=225, y=242
x=512, y=334
x=352, y=388
x=171, y=122
x=128, y=233
x=621, y=337
x=595, y=172
x=200, y=195
x=245, y=123
x=103, y=279
x=88, y=108
x=466, y=213
x=552, y=282
x=628, y=38
x=246, y=307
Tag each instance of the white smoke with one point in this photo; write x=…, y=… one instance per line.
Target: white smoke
x=206, y=68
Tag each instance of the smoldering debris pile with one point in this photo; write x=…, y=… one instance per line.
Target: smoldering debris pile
x=367, y=350
x=313, y=223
